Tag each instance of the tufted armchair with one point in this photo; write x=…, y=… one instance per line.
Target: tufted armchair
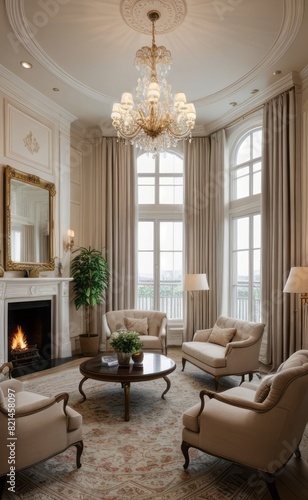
x=151, y=325
x=231, y=347
x=258, y=426
x=37, y=427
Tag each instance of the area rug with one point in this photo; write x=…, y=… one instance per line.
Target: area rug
x=136, y=459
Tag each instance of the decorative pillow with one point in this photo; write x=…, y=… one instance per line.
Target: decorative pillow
x=139, y=325
x=221, y=336
x=263, y=389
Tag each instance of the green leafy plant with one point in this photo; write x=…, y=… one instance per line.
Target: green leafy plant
x=90, y=274
x=125, y=341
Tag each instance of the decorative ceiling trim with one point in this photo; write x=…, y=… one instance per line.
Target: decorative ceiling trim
x=172, y=14
x=293, y=11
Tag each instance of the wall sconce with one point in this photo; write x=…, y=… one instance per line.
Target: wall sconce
x=70, y=240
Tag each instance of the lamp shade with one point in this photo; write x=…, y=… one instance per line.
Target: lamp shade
x=297, y=281
x=195, y=282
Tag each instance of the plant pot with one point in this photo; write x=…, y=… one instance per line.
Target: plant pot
x=137, y=358
x=124, y=358
x=89, y=345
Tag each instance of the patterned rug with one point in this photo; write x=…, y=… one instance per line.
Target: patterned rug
x=140, y=458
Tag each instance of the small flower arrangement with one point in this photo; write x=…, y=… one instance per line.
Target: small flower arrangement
x=125, y=341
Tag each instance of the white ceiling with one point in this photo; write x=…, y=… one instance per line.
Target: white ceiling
x=222, y=50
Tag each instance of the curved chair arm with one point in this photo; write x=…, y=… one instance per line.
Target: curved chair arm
x=6, y=369
x=37, y=406
x=239, y=344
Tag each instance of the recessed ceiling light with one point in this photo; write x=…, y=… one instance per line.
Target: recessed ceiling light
x=55, y=89
x=233, y=103
x=26, y=65
x=278, y=72
x=254, y=91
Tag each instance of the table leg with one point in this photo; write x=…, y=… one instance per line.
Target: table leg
x=80, y=388
x=126, y=387
x=168, y=387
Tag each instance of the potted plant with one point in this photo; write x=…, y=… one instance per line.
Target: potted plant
x=125, y=343
x=90, y=274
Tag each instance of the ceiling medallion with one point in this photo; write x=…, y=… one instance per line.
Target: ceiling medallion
x=172, y=14
x=159, y=120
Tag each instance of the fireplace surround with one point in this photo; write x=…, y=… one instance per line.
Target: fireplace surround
x=36, y=289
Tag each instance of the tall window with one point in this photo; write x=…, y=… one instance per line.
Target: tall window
x=160, y=233
x=245, y=224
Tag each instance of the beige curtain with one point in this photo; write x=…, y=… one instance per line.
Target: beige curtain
x=281, y=223
x=203, y=228
x=110, y=222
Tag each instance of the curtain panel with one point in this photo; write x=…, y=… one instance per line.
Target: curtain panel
x=204, y=228
x=281, y=223
x=110, y=224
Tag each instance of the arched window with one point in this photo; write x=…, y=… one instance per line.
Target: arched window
x=160, y=233
x=245, y=226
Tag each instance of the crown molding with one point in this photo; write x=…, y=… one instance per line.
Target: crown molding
x=18, y=89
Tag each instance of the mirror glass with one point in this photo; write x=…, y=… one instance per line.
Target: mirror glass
x=29, y=224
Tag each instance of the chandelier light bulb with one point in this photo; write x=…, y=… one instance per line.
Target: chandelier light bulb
x=158, y=120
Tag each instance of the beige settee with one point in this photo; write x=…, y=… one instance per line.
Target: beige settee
x=258, y=426
x=36, y=427
x=231, y=347
x=152, y=326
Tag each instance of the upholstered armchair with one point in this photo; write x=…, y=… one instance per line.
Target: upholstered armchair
x=231, y=347
x=36, y=428
x=258, y=426
x=151, y=325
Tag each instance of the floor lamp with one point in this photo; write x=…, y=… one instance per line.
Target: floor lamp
x=194, y=282
x=297, y=282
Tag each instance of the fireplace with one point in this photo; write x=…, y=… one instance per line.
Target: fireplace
x=29, y=332
x=44, y=292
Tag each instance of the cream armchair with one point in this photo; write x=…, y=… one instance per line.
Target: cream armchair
x=255, y=426
x=231, y=347
x=35, y=426
x=151, y=325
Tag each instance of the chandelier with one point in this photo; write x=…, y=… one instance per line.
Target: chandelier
x=158, y=120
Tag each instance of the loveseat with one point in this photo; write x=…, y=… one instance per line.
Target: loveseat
x=231, y=347
x=151, y=326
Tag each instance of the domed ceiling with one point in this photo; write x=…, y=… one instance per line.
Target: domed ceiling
x=226, y=53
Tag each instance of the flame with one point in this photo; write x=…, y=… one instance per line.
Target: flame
x=19, y=340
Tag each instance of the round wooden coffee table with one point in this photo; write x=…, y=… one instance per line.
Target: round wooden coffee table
x=154, y=366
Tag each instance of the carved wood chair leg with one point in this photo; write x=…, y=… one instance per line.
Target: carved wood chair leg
x=79, y=449
x=297, y=453
x=271, y=485
x=242, y=379
x=183, y=363
x=216, y=383
x=185, y=447
x=250, y=376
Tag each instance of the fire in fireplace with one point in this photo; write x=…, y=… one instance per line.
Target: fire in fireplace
x=29, y=332
x=21, y=352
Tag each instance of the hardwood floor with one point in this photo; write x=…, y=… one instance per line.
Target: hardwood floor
x=292, y=483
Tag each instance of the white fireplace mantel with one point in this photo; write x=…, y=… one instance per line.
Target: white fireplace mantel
x=57, y=290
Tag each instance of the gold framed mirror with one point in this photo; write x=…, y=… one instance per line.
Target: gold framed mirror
x=29, y=222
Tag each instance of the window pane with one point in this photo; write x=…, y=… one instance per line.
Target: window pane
x=170, y=164
x=242, y=233
x=242, y=266
x=170, y=190
x=145, y=266
x=241, y=183
x=243, y=153
x=145, y=235
x=146, y=195
x=257, y=144
x=146, y=297
x=257, y=183
x=256, y=266
x=171, y=235
x=145, y=164
x=257, y=231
